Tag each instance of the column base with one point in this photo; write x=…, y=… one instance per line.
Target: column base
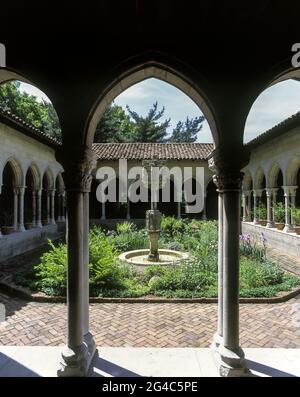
x=231, y=363
x=270, y=225
x=39, y=224
x=76, y=361
x=216, y=343
x=288, y=229
x=255, y=222
x=21, y=228
x=89, y=341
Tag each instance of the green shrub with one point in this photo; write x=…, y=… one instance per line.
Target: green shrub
x=125, y=227
x=172, y=226
x=51, y=273
x=279, y=212
x=196, y=277
x=136, y=239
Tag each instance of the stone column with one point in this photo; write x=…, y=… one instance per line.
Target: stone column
x=103, y=215
x=274, y=197
x=227, y=176
x=256, y=202
x=62, y=208
x=87, y=336
x=52, y=207
x=270, y=218
x=15, y=209
x=248, y=205
x=21, y=192
x=293, y=202
x=48, y=194
x=80, y=347
x=244, y=206
x=288, y=227
x=0, y=211
x=33, y=198
x=219, y=334
x=39, y=208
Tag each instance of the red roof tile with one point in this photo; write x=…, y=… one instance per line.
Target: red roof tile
x=143, y=151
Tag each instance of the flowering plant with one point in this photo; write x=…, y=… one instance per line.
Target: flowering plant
x=249, y=247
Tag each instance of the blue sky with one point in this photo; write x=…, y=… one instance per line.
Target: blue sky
x=272, y=106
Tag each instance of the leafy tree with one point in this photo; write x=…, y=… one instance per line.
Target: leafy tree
x=187, y=131
x=40, y=114
x=115, y=126
x=149, y=129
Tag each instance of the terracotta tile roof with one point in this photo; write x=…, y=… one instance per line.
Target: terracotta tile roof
x=21, y=125
x=277, y=130
x=163, y=151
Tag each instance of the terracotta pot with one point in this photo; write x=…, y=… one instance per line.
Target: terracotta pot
x=28, y=225
x=7, y=230
x=44, y=222
x=297, y=230
x=263, y=223
x=279, y=225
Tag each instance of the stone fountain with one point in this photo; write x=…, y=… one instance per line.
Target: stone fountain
x=153, y=256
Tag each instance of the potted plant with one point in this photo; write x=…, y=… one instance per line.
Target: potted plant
x=296, y=219
x=279, y=215
x=261, y=213
x=7, y=221
x=28, y=219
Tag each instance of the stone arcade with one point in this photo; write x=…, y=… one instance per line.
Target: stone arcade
x=198, y=50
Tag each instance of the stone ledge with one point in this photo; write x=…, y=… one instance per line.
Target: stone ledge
x=23, y=293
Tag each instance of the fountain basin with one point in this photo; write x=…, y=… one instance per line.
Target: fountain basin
x=139, y=258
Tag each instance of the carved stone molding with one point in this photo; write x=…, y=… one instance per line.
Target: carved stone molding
x=78, y=164
x=227, y=169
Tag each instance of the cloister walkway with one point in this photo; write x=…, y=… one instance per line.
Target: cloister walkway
x=150, y=325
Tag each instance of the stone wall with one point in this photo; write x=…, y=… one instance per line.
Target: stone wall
x=285, y=242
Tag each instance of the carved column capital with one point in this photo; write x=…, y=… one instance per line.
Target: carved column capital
x=78, y=164
x=227, y=168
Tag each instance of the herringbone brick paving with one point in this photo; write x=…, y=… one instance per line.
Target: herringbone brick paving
x=150, y=325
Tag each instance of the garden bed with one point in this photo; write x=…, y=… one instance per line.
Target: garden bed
x=193, y=280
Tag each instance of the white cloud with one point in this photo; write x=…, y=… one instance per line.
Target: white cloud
x=274, y=105
x=140, y=97
x=32, y=90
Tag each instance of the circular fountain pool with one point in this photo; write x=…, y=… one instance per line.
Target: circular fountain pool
x=139, y=258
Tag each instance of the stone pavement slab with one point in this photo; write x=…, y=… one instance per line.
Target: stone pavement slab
x=29, y=361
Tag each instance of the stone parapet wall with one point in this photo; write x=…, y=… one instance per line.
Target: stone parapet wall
x=286, y=242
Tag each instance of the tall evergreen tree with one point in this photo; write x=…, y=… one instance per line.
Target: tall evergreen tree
x=115, y=126
x=188, y=130
x=149, y=129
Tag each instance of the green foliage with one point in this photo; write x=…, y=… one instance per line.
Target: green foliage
x=187, y=131
x=51, y=273
x=279, y=212
x=296, y=215
x=195, y=277
x=40, y=114
x=115, y=126
x=172, y=226
x=125, y=227
x=261, y=211
x=131, y=240
x=149, y=128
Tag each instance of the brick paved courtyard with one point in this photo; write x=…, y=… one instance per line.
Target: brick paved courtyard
x=149, y=325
